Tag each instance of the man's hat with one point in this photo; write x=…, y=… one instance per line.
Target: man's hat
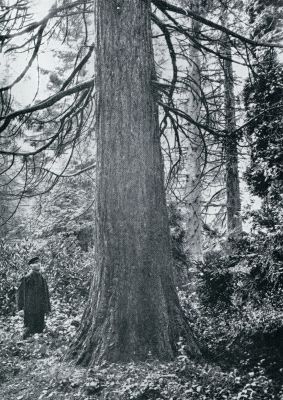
x=33, y=260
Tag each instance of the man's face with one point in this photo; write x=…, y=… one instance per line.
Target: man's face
x=36, y=266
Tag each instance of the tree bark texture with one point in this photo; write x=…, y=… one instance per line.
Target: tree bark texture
x=192, y=158
x=234, y=222
x=133, y=308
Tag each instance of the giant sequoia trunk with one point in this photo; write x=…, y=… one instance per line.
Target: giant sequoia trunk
x=133, y=308
x=234, y=222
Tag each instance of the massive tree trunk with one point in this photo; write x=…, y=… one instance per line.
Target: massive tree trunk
x=234, y=222
x=133, y=308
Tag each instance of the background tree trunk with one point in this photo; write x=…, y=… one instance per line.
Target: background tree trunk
x=133, y=308
x=192, y=158
x=234, y=222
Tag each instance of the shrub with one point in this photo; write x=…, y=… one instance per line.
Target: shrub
x=215, y=281
x=67, y=268
x=13, y=261
x=65, y=264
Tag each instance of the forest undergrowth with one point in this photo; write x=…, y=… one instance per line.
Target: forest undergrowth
x=241, y=346
x=35, y=369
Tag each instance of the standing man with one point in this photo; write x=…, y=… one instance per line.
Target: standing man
x=33, y=299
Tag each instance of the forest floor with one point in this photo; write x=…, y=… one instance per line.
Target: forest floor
x=29, y=369
x=34, y=369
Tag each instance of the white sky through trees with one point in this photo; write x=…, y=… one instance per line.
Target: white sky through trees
x=11, y=66
x=41, y=7
x=36, y=81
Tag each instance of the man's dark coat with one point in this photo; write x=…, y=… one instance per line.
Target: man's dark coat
x=33, y=298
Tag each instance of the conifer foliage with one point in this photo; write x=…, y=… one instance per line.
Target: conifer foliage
x=263, y=101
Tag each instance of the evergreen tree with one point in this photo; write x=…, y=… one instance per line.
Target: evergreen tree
x=263, y=102
x=133, y=307
x=263, y=96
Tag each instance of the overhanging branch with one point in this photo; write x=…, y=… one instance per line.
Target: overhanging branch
x=52, y=13
x=49, y=101
x=164, y=6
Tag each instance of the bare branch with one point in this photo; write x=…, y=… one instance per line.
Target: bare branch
x=163, y=5
x=44, y=104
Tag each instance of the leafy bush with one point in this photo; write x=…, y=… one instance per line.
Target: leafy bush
x=215, y=281
x=265, y=255
x=239, y=312
x=67, y=210
x=67, y=267
x=13, y=261
x=253, y=272
x=65, y=264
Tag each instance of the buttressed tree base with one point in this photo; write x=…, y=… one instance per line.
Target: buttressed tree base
x=133, y=308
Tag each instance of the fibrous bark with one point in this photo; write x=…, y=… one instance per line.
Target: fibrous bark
x=133, y=308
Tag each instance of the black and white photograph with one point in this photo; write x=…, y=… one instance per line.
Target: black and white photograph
x=141, y=194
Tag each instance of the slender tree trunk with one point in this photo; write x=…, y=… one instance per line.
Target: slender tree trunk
x=234, y=222
x=192, y=159
x=133, y=307
x=4, y=203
